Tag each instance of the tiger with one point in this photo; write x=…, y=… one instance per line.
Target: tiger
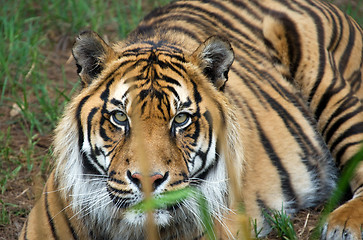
x=252, y=103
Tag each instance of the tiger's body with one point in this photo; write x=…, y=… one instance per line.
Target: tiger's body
x=289, y=113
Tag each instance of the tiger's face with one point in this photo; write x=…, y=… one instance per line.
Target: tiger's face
x=148, y=114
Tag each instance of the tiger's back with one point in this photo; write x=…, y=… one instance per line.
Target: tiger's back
x=295, y=87
x=297, y=68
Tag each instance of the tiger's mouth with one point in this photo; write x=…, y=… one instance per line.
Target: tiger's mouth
x=124, y=199
x=162, y=202
x=134, y=208
x=120, y=201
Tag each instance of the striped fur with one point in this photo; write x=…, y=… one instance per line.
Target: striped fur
x=268, y=129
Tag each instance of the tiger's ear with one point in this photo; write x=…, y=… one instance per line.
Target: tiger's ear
x=91, y=53
x=215, y=56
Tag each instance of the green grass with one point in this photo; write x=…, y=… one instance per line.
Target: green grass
x=29, y=30
x=353, y=9
x=281, y=223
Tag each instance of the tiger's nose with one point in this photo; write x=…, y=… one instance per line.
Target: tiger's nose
x=155, y=179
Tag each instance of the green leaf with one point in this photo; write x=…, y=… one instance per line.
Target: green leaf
x=164, y=200
x=206, y=216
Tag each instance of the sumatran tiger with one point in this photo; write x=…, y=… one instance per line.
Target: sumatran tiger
x=248, y=101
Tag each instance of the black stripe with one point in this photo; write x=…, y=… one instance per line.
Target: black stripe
x=252, y=11
x=117, y=103
x=177, y=68
x=344, y=60
x=330, y=91
x=186, y=10
x=248, y=83
x=310, y=153
x=93, y=159
x=202, y=172
x=341, y=29
x=236, y=16
x=171, y=89
x=74, y=233
x=89, y=123
x=193, y=19
x=334, y=38
x=186, y=31
x=293, y=41
x=347, y=103
x=87, y=167
x=49, y=217
x=196, y=95
x=288, y=4
x=119, y=191
x=170, y=80
x=118, y=181
x=359, y=187
x=353, y=130
x=106, y=93
x=298, y=133
x=79, y=123
x=338, y=123
x=175, y=183
x=294, y=45
x=286, y=187
x=102, y=130
x=108, y=77
x=355, y=81
x=320, y=34
x=263, y=206
x=340, y=153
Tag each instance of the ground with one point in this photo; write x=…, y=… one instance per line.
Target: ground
x=22, y=191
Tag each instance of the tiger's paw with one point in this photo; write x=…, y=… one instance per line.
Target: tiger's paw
x=346, y=222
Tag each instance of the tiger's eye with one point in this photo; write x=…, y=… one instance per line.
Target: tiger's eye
x=120, y=117
x=181, y=118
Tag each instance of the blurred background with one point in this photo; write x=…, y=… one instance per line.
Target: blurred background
x=38, y=77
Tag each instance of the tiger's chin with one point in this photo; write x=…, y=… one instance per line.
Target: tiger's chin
x=132, y=224
x=136, y=219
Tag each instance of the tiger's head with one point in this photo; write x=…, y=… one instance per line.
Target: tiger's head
x=148, y=113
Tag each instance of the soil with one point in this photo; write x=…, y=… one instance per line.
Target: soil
x=22, y=191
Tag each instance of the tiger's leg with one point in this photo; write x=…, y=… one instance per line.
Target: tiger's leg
x=327, y=70
x=51, y=218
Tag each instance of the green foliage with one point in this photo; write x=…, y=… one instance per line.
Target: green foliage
x=4, y=214
x=8, y=209
x=176, y=197
x=205, y=216
x=6, y=173
x=353, y=9
x=255, y=229
x=164, y=200
x=281, y=223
